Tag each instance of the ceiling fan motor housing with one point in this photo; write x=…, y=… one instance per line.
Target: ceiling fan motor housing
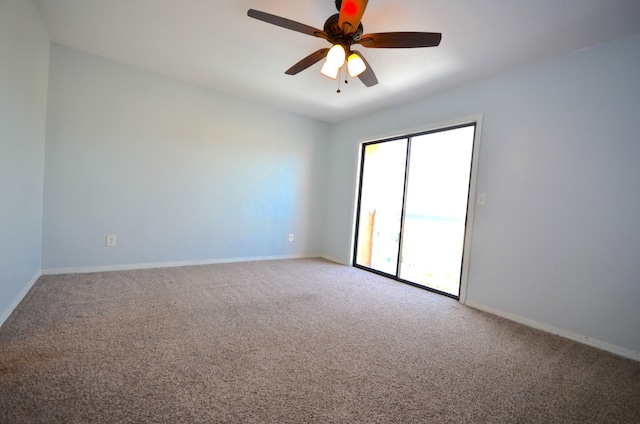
x=337, y=35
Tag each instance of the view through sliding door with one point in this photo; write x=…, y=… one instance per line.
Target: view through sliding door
x=412, y=207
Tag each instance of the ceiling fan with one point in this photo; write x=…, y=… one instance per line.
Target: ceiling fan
x=343, y=30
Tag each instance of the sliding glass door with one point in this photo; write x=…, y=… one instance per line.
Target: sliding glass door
x=412, y=207
x=381, y=205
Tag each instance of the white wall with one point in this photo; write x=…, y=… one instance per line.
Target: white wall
x=177, y=172
x=24, y=57
x=558, y=242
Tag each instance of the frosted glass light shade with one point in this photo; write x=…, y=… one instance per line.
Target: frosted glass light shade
x=355, y=65
x=336, y=56
x=329, y=70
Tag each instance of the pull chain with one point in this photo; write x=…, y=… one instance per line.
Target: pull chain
x=340, y=79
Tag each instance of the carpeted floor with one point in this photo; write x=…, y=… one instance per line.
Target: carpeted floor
x=289, y=341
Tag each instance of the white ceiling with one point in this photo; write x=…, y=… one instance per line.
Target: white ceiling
x=214, y=44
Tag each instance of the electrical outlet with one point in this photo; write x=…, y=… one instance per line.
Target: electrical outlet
x=290, y=237
x=111, y=241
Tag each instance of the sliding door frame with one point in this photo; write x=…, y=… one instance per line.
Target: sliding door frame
x=408, y=133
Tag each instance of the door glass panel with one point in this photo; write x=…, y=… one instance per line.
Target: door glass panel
x=380, y=208
x=436, y=209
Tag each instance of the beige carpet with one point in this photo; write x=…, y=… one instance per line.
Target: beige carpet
x=289, y=341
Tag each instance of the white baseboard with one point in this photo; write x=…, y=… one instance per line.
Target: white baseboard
x=16, y=301
x=617, y=350
x=150, y=265
x=332, y=259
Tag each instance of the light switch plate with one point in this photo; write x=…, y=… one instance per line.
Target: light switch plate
x=482, y=199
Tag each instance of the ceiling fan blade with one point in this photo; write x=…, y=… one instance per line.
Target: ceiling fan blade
x=351, y=13
x=401, y=40
x=286, y=23
x=368, y=77
x=312, y=59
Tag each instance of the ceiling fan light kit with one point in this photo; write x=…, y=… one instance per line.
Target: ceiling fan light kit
x=336, y=59
x=343, y=30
